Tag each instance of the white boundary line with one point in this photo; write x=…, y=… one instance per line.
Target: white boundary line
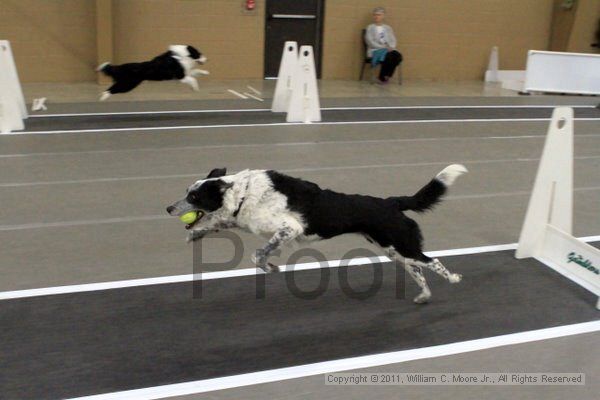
x=91, y=287
x=182, y=127
x=282, y=144
x=279, y=144
x=323, y=109
x=347, y=364
x=309, y=169
x=105, y=114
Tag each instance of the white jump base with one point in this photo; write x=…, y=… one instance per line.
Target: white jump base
x=558, y=72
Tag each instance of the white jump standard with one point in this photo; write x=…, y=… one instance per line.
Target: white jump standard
x=12, y=103
x=304, y=103
x=287, y=68
x=547, y=230
x=296, y=91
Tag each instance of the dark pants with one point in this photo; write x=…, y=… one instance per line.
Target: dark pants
x=389, y=64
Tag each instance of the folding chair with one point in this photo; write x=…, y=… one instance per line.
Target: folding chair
x=367, y=61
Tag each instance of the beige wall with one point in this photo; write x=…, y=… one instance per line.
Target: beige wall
x=562, y=24
x=52, y=40
x=232, y=39
x=440, y=39
x=55, y=40
x=586, y=23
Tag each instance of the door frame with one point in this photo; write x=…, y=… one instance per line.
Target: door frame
x=318, y=48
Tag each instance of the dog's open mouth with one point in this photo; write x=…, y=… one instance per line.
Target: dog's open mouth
x=192, y=224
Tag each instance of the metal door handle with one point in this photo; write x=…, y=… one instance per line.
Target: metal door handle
x=294, y=16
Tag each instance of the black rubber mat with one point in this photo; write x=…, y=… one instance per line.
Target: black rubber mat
x=267, y=117
x=88, y=343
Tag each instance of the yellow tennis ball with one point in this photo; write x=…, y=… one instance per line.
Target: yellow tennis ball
x=189, y=217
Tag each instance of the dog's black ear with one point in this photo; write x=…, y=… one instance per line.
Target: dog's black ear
x=209, y=196
x=193, y=52
x=217, y=173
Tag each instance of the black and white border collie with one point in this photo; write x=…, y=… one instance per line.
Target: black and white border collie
x=177, y=63
x=269, y=203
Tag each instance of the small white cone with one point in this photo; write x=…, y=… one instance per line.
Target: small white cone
x=491, y=75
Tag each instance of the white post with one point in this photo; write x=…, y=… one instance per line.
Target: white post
x=12, y=103
x=287, y=68
x=304, y=104
x=552, y=196
x=491, y=74
x=546, y=233
x=14, y=82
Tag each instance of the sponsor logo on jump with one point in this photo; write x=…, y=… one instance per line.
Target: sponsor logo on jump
x=585, y=263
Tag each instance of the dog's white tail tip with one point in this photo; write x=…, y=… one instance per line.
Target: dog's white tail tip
x=449, y=174
x=101, y=66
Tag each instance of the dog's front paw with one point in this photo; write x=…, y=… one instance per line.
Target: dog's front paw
x=422, y=298
x=271, y=268
x=454, y=278
x=268, y=268
x=203, y=72
x=259, y=258
x=194, y=235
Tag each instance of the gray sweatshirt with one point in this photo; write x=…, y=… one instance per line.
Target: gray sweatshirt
x=374, y=42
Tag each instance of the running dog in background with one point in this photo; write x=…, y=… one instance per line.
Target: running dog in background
x=177, y=63
x=286, y=209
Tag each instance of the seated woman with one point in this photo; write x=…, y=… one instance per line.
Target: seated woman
x=381, y=46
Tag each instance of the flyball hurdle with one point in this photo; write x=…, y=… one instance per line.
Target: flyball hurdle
x=547, y=230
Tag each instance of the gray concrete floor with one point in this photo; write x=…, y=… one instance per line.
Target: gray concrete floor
x=218, y=90
x=91, y=207
x=83, y=208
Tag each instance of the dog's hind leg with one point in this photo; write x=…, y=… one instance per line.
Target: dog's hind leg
x=189, y=80
x=282, y=236
x=415, y=271
x=123, y=86
x=196, y=72
x=105, y=95
x=436, y=266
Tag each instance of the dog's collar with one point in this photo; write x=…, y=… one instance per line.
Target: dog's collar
x=239, y=207
x=237, y=211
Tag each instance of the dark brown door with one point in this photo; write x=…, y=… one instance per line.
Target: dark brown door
x=292, y=20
